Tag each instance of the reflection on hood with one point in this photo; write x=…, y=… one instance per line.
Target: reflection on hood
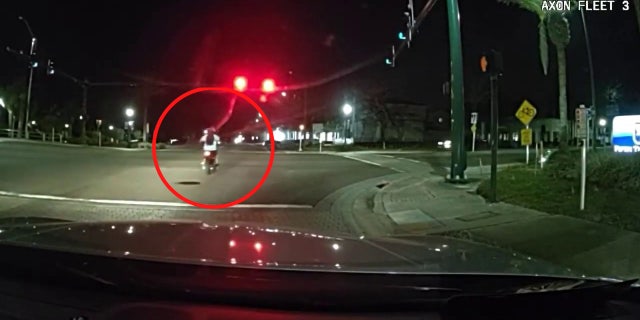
x=250, y=246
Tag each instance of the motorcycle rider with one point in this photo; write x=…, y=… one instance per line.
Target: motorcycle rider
x=210, y=141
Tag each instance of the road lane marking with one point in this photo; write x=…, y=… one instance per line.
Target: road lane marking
x=412, y=160
x=372, y=163
x=362, y=160
x=148, y=203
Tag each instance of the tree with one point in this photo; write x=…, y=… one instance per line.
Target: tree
x=14, y=97
x=555, y=25
x=613, y=95
x=374, y=103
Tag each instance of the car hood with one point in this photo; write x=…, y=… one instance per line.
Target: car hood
x=260, y=247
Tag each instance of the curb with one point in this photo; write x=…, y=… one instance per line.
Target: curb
x=343, y=201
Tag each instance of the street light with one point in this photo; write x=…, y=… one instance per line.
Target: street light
x=33, y=122
x=602, y=122
x=129, y=112
x=66, y=126
x=80, y=117
x=32, y=53
x=111, y=127
x=347, y=109
x=301, y=137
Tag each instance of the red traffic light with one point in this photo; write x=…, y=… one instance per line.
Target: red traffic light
x=268, y=85
x=240, y=83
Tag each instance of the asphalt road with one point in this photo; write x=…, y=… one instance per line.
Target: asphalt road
x=93, y=173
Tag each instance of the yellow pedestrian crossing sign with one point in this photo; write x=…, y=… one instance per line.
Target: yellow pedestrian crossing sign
x=526, y=112
x=526, y=137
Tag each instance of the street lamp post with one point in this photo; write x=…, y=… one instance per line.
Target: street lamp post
x=32, y=53
x=301, y=137
x=603, y=129
x=129, y=112
x=347, y=109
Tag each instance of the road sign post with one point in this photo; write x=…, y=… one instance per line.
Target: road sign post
x=98, y=124
x=582, y=132
x=474, y=121
x=525, y=114
x=318, y=128
x=526, y=137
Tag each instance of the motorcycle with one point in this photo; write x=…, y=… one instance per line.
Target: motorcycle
x=209, y=163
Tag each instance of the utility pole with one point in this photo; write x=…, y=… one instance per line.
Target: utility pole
x=458, y=152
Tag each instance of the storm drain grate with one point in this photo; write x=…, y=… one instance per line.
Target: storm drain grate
x=189, y=183
x=382, y=185
x=478, y=216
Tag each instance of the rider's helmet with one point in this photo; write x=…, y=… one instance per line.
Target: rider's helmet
x=210, y=135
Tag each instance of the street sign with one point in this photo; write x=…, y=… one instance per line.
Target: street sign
x=98, y=122
x=526, y=112
x=581, y=122
x=474, y=117
x=526, y=137
x=473, y=128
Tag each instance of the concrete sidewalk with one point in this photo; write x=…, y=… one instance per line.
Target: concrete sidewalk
x=422, y=203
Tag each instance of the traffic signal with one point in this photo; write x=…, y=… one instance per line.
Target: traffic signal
x=240, y=83
x=50, y=69
x=268, y=85
x=491, y=62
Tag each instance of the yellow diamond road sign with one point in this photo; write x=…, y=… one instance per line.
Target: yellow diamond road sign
x=526, y=137
x=526, y=112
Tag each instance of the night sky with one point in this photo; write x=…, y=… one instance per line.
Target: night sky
x=208, y=42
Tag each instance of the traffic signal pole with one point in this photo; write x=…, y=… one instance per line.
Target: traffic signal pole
x=494, y=138
x=458, y=152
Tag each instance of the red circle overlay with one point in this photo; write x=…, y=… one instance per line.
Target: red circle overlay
x=204, y=205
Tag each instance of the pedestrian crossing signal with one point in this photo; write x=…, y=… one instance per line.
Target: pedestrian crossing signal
x=491, y=62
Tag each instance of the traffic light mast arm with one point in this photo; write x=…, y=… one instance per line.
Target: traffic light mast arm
x=418, y=20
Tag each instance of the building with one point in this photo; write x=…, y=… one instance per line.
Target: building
x=401, y=121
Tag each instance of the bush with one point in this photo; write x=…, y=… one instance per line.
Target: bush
x=605, y=170
x=614, y=171
x=564, y=164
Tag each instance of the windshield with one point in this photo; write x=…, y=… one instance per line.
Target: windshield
x=495, y=136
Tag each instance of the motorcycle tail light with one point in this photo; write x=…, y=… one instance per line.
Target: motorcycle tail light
x=207, y=153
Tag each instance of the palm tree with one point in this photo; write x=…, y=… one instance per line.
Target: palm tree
x=555, y=25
